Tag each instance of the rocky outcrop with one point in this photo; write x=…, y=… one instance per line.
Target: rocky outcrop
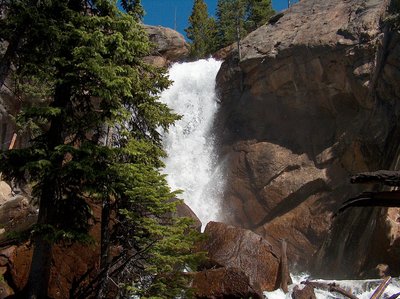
x=169, y=46
x=223, y=283
x=233, y=247
x=314, y=99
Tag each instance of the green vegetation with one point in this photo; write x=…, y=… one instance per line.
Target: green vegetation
x=237, y=18
x=234, y=20
x=201, y=31
x=95, y=140
x=393, y=18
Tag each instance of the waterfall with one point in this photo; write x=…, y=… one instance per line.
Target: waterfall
x=191, y=164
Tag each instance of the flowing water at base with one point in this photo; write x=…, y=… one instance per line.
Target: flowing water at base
x=363, y=289
x=191, y=164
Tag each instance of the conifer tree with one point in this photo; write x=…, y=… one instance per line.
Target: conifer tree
x=83, y=60
x=236, y=18
x=259, y=12
x=201, y=31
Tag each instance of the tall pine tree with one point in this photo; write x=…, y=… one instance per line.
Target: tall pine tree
x=201, y=31
x=236, y=18
x=96, y=137
x=259, y=12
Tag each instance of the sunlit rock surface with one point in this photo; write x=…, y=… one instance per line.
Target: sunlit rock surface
x=168, y=45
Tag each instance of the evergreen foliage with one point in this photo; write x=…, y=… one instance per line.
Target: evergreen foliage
x=259, y=12
x=236, y=18
x=230, y=21
x=96, y=138
x=393, y=18
x=201, y=31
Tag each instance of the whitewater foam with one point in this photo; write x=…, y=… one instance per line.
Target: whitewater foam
x=362, y=289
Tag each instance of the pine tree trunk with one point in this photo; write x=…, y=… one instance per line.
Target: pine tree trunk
x=105, y=240
x=39, y=274
x=38, y=282
x=238, y=39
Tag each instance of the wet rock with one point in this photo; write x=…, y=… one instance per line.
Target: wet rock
x=233, y=247
x=223, y=283
x=303, y=292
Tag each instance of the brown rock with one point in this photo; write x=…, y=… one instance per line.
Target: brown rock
x=157, y=61
x=300, y=112
x=223, y=283
x=221, y=54
x=5, y=290
x=69, y=262
x=168, y=43
x=270, y=189
x=5, y=192
x=16, y=215
x=240, y=248
x=304, y=292
x=183, y=210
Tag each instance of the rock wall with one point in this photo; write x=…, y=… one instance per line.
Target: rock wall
x=313, y=99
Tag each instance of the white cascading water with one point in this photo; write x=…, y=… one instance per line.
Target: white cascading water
x=191, y=165
x=362, y=289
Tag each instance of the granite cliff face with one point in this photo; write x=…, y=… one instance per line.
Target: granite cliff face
x=313, y=99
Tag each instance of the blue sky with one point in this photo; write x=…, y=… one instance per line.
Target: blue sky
x=162, y=12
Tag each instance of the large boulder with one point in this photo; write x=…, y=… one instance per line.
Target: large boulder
x=313, y=99
x=233, y=247
x=223, y=283
x=168, y=45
